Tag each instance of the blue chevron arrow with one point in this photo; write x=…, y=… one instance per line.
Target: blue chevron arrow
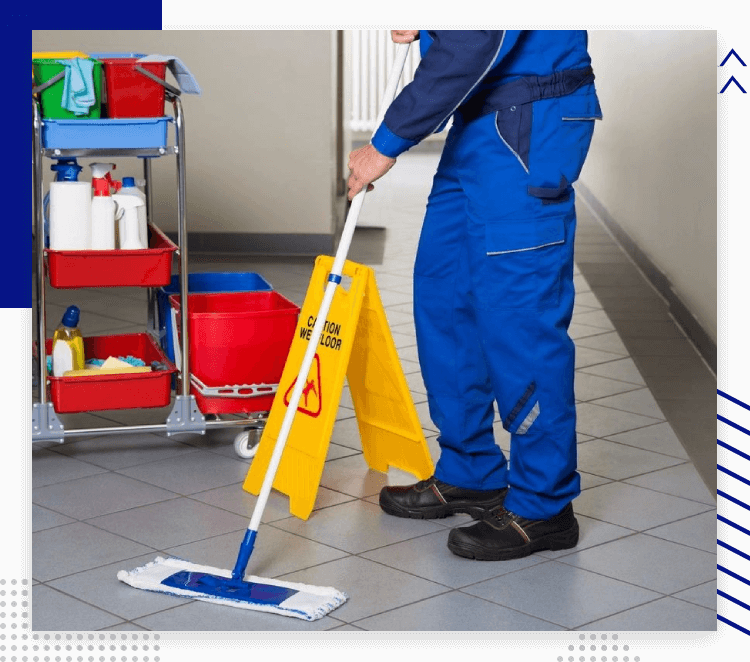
x=732, y=52
x=732, y=80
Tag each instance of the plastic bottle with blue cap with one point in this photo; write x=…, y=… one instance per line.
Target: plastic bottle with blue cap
x=67, y=209
x=67, y=344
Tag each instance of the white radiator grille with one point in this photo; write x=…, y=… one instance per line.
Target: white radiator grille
x=372, y=53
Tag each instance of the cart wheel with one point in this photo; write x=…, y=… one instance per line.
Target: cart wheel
x=246, y=446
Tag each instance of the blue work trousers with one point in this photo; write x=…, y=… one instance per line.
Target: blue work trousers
x=493, y=299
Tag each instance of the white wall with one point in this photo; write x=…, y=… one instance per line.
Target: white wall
x=260, y=140
x=653, y=159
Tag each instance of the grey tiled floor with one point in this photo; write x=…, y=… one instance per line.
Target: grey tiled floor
x=647, y=554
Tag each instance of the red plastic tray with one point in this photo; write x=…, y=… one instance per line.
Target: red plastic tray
x=150, y=267
x=129, y=391
x=238, y=338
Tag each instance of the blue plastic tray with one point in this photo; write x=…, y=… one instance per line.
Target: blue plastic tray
x=126, y=133
x=203, y=283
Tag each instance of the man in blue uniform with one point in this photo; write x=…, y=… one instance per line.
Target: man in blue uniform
x=493, y=277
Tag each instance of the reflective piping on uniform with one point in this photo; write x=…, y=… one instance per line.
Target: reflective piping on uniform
x=486, y=71
x=593, y=119
x=521, y=250
x=529, y=420
x=519, y=406
x=512, y=151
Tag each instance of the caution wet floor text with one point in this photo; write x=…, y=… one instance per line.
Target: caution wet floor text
x=356, y=344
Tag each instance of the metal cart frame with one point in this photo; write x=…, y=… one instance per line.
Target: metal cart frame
x=185, y=416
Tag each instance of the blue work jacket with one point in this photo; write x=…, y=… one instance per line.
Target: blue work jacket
x=460, y=65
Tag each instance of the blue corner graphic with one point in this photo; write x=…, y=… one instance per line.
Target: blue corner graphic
x=732, y=80
x=732, y=52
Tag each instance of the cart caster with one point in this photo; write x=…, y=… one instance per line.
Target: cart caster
x=246, y=445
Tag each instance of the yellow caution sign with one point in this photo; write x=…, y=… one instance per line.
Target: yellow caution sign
x=356, y=343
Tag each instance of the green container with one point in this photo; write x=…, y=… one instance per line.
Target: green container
x=51, y=98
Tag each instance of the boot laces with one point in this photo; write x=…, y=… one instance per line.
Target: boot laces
x=426, y=483
x=502, y=515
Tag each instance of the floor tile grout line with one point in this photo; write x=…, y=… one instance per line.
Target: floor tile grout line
x=661, y=594
x=601, y=397
x=458, y=590
x=88, y=521
x=514, y=609
x=656, y=421
x=623, y=443
x=646, y=450
x=697, y=549
x=624, y=611
x=451, y=589
x=681, y=519
x=614, y=358
x=623, y=481
x=104, y=565
x=614, y=379
x=556, y=560
x=90, y=604
x=625, y=411
x=625, y=478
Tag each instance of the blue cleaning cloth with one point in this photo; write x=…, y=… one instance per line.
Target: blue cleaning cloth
x=132, y=360
x=78, y=92
x=184, y=78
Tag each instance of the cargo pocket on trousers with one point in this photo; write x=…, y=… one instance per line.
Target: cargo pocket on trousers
x=583, y=106
x=513, y=126
x=523, y=264
x=578, y=115
x=551, y=195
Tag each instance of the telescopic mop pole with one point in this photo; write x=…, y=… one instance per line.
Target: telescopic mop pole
x=334, y=279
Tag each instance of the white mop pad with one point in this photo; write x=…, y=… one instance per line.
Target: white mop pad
x=300, y=600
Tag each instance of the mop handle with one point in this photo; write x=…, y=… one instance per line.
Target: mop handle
x=402, y=50
x=333, y=280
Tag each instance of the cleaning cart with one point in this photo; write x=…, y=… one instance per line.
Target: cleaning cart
x=128, y=121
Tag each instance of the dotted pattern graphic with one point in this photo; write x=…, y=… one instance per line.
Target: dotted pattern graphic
x=598, y=648
x=14, y=612
x=19, y=644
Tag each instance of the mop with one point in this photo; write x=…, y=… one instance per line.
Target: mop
x=181, y=578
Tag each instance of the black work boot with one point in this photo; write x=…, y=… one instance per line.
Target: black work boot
x=432, y=499
x=503, y=535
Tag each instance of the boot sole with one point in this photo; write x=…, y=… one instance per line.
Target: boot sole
x=554, y=541
x=436, y=512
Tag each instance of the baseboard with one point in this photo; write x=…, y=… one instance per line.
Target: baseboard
x=698, y=335
x=296, y=244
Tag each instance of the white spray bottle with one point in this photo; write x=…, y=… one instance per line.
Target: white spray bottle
x=128, y=211
x=130, y=186
x=102, y=208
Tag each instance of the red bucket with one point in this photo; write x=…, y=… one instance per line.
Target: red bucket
x=129, y=92
x=238, y=338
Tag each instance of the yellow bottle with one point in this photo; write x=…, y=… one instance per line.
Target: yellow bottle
x=67, y=344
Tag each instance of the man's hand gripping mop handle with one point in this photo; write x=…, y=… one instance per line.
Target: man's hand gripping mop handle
x=246, y=549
